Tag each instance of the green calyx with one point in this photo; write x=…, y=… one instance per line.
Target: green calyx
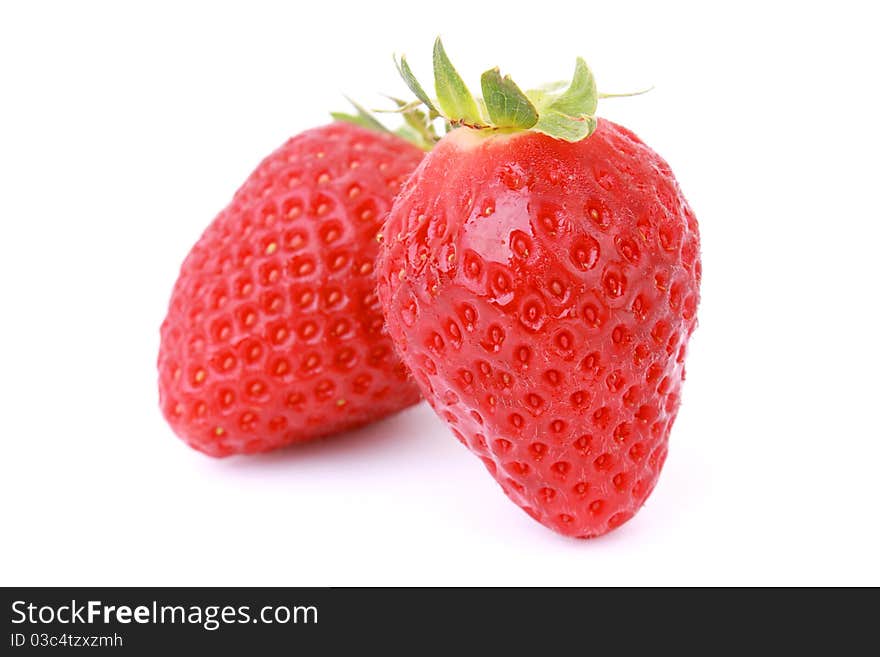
x=417, y=129
x=562, y=111
x=361, y=117
x=567, y=113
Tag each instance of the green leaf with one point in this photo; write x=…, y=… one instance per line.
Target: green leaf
x=400, y=102
x=507, y=105
x=551, y=87
x=562, y=126
x=401, y=108
x=417, y=121
x=568, y=114
x=627, y=94
x=453, y=96
x=410, y=135
x=411, y=82
x=581, y=96
x=363, y=117
x=539, y=95
x=357, y=120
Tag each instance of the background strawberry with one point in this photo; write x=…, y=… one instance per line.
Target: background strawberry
x=540, y=277
x=274, y=333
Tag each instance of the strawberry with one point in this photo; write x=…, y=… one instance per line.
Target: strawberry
x=540, y=275
x=274, y=333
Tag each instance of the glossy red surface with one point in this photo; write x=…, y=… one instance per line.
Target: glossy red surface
x=543, y=294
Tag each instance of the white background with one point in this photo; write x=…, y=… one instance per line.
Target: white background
x=123, y=130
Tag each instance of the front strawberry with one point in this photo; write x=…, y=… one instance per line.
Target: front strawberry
x=274, y=333
x=540, y=275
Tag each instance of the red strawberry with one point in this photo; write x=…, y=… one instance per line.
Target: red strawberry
x=541, y=282
x=274, y=333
